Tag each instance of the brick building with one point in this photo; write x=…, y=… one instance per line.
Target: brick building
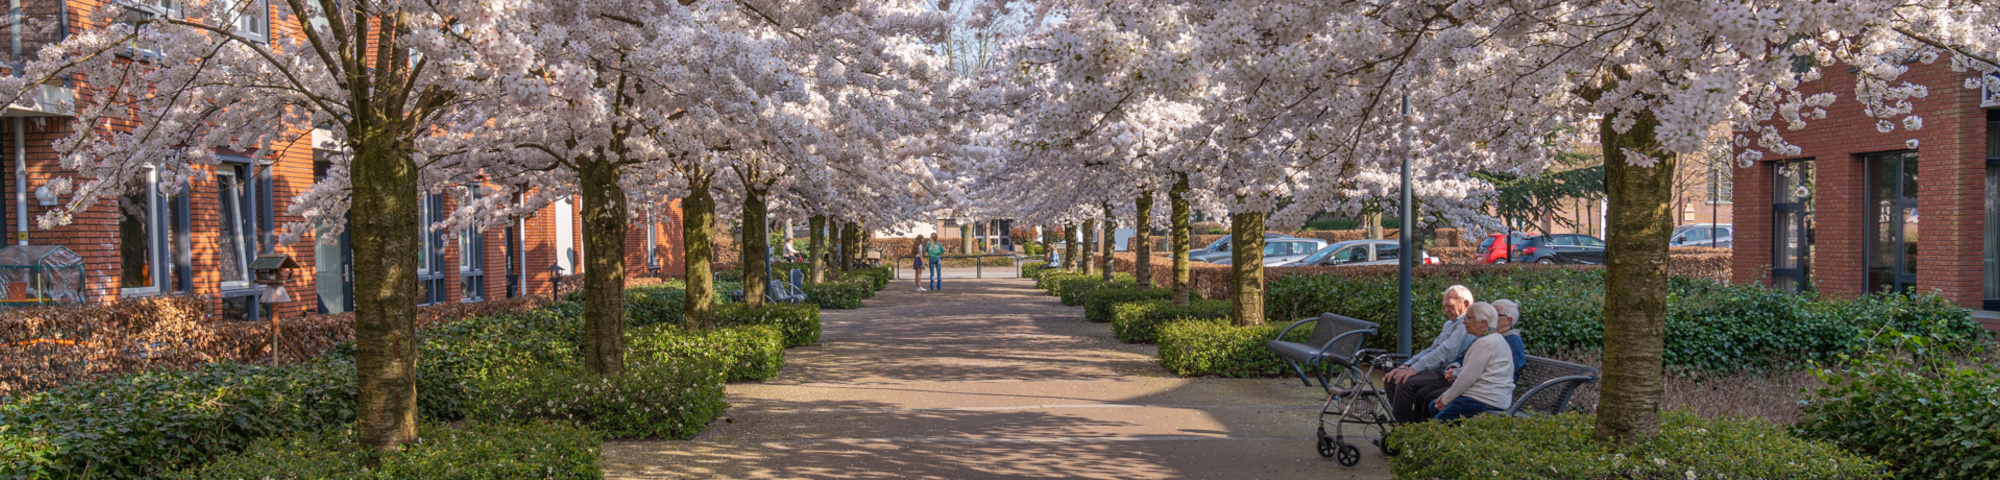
x=1844, y=215
x=201, y=237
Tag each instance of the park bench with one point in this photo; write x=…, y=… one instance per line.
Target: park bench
x=1335, y=341
x=1546, y=386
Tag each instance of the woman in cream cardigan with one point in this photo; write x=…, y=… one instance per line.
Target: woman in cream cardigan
x=1485, y=380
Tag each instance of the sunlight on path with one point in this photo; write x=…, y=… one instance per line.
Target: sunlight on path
x=991, y=379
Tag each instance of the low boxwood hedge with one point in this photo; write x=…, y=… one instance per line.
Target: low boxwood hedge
x=1097, y=303
x=471, y=451
x=878, y=277
x=1928, y=419
x=671, y=399
x=840, y=295
x=745, y=352
x=1560, y=447
x=1139, y=322
x=800, y=322
x=1072, y=290
x=1199, y=347
x=655, y=304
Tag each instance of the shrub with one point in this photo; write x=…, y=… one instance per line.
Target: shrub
x=1050, y=279
x=840, y=295
x=1139, y=322
x=139, y=425
x=473, y=451
x=732, y=275
x=878, y=277
x=673, y=399
x=1560, y=447
x=1033, y=269
x=655, y=304
x=1934, y=420
x=799, y=322
x=747, y=352
x=1072, y=290
x=1097, y=303
x=1195, y=347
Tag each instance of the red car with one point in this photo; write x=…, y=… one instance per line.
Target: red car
x=1492, y=251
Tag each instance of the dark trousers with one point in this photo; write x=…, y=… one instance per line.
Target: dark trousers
x=1411, y=400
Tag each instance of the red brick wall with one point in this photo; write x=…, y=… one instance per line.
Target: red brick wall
x=1951, y=173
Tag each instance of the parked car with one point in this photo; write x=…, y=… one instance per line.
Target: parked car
x=1219, y=249
x=1718, y=235
x=1359, y=252
x=1562, y=248
x=1283, y=250
x=1488, y=253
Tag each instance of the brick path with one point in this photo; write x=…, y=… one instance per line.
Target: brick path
x=991, y=379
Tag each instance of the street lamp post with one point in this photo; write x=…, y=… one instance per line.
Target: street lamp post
x=1403, y=238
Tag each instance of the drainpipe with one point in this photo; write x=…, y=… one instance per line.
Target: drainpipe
x=20, y=181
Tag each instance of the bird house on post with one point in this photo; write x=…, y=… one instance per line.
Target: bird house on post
x=271, y=269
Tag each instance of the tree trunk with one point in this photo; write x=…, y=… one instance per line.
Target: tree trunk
x=816, y=256
x=1177, y=200
x=1089, y=243
x=852, y=255
x=604, y=225
x=1110, y=234
x=1374, y=219
x=1635, y=279
x=965, y=239
x=384, y=228
x=1069, y=246
x=1246, y=245
x=698, y=233
x=839, y=251
x=756, y=246
x=1142, y=240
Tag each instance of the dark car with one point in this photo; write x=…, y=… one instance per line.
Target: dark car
x=1562, y=248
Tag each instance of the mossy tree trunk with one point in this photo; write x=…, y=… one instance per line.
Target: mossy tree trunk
x=1246, y=269
x=1374, y=220
x=386, y=235
x=604, y=226
x=756, y=245
x=1177, y=200
x=852, y=254
x=1110, y=234
x=1089, y=243
x=1635, y=281
x=698, y=235
x=1069, y=246
x=816, y=251
x=1142, y=240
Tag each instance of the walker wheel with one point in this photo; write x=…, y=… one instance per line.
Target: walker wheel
x=1326, y=447
x=1348, y=456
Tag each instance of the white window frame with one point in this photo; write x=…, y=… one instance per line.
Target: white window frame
x=226, y=179
x=156, y=242
x=253, y=19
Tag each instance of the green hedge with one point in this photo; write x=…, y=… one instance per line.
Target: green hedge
x=840, y=295
x=672, y=399
x=1560, y=447
x=747, y=352
x=799, y=322
x=1072, y=290
x=878, y=277
x=655, y=304
x=1139, y=322
x=1197, y=347
x=1033, y=268
x=1710, y=325
x=1097, y=303
x=472, y=451
x=1937, y=420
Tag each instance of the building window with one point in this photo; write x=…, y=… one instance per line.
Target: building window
x=1992, y=210
x=1891, y=193
x=653, y=237
x=471, y=261
x=1792, y=225
x=152, y=238
x=430, y=255
x=253, y=19
x=235, y=243
x=1721, y=183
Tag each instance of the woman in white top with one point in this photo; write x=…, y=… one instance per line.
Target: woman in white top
x=1485, y=382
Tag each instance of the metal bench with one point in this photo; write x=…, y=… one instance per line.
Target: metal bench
x=1335, y=341
x=1546, y=386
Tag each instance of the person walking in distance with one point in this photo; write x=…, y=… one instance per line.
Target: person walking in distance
x=934, y=252
x=917, y=263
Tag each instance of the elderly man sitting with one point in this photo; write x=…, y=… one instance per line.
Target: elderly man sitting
x=1486, y=383
x=1421, y=378
x=1509, y=312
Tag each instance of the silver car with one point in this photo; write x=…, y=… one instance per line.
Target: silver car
x=1284, y=250
x=1359, y=252
x=1219, y=249
x=1704, y=235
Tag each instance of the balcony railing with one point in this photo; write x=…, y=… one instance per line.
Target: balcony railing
x=29, y=26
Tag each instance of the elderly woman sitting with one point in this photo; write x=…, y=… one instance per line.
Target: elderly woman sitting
x=1486, y=381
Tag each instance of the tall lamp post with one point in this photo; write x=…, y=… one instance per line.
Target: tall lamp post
x=1403, y=239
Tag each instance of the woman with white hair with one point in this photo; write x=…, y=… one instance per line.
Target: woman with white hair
x=1486, y=381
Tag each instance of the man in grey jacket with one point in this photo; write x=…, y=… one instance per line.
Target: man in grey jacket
x=1419, y=381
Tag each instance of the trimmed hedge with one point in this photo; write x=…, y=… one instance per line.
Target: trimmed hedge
x=1072, y=290
x=1196, y=347
x=1034, y=268
x=673, y=399
x=799, y=322
x=746, y=352
x=473, y=451
x=1934, y=420
x=1097, y=303
x=842, y=295
x=1139, y=322
x=1560, y=447
x=655, y=304
x=878, y=277
x=1710, y=325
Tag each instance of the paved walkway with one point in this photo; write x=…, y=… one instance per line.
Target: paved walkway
x=991, y=379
